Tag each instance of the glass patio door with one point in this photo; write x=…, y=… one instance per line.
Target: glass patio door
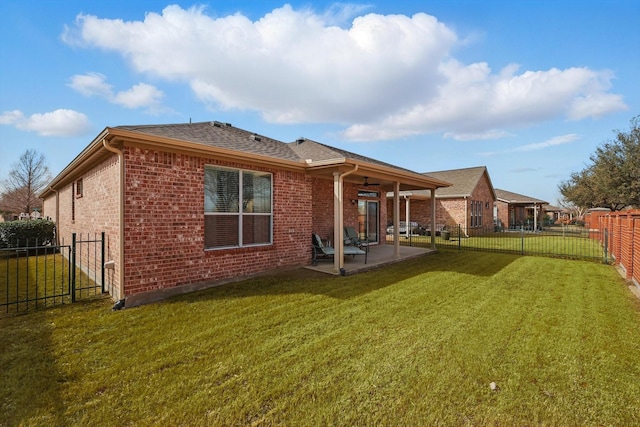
x=368, y=220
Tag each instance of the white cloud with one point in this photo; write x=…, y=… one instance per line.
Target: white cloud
x=382, y=76
x=56, y=123
x=91, y=84
x=558, y=140
x=141, y=95
x=552, y=142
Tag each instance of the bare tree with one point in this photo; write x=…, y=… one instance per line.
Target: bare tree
x=26, y=180
x=577, y=212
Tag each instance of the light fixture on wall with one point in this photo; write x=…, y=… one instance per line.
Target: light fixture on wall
x=354, y=201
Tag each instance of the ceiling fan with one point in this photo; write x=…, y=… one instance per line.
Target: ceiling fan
x=367, y=183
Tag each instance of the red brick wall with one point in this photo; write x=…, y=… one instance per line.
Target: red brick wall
x=164, y=217
x=96, y=211
x=450, y=210
x=323, y=207
x=503, y=213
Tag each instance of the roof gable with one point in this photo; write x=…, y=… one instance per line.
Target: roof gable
x=464, y=181
x=514, y=198
x=308, y=149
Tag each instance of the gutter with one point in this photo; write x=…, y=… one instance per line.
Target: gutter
x=121, y=301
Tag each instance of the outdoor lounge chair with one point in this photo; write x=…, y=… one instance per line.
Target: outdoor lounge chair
x=351, y=238
x=323, y=251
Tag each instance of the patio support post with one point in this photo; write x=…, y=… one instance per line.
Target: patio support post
x=406, y=216
x=396, y=221
x=338, y=219
x=433, y=218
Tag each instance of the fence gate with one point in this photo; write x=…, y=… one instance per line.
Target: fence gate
x=33, y=276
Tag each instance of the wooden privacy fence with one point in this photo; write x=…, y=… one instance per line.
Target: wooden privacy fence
x=623, y=239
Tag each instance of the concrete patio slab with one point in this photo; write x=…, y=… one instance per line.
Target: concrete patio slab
x=378, y=256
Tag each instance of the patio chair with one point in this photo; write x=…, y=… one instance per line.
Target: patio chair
x=324, y=251
x=351, y=238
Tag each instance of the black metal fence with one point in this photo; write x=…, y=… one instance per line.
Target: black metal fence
x=33, y=276
x=572, y=242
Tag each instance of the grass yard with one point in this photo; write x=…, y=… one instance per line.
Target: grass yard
x=417, y=343
x=36, y=281
x=553, y=244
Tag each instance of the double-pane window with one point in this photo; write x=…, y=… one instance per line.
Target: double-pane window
x=237, y=207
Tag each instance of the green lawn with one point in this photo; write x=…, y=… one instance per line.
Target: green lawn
x=36, y=281
x=417, y=343
x=571, y=245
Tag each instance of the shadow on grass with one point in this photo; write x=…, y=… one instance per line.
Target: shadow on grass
x=31, y=380
x=302, y=280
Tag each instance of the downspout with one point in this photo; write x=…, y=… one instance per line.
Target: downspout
x=57, y=215
x=466, y=216
x=121, y=301
x=338, y=219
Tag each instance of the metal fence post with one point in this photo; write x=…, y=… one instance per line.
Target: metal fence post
x=459, y=237
x=72, y=274
x=522, y=239
x=102, y=261
x=606, y=246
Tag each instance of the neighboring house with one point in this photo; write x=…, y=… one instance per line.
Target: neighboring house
x=187, y=205
x=516, y=211
x=467, y=202
x=557, y=214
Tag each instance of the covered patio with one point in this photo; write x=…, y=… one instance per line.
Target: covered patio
x=378, y=256
x=352, y=190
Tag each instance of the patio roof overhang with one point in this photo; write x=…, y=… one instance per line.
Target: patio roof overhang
x=384, y=175
x=389, y=179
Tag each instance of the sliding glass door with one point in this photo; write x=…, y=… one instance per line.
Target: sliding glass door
x=368, y=220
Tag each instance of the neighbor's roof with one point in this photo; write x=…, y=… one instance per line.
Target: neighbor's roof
x=464, y=181
x=515, y=198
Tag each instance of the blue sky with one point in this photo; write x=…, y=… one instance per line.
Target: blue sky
x=527, y=88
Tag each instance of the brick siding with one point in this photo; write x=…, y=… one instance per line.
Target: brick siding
x=450, y=210
x=96, y=211
x=323, y=208
x=164, y=217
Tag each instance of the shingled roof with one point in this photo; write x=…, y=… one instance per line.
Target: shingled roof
x=222, y=135
x=231, y=141
x=464, y=181
x=515, y=198
x=317, y=151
